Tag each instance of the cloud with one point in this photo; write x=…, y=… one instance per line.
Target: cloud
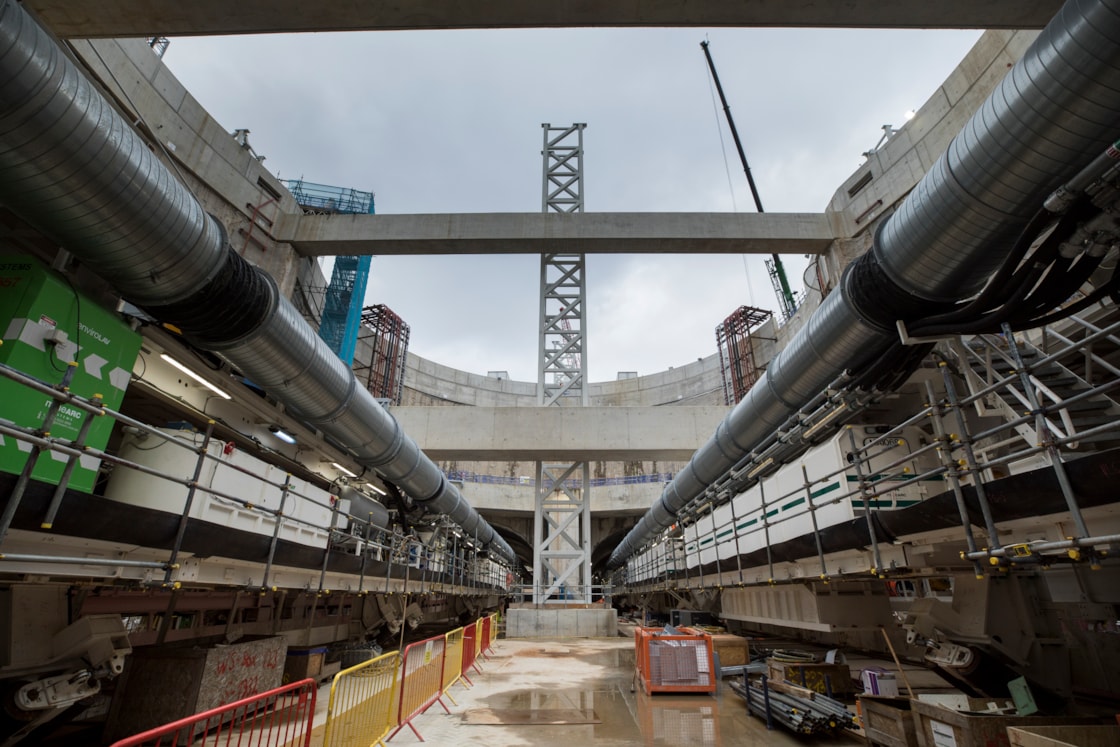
x=650, y=313
x=449, y=121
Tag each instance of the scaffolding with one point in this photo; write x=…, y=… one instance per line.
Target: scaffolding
x=563, y=371
x=562, y=513
x=342, y=308
x=738, y=367
x=385, y=336
x=322, y=199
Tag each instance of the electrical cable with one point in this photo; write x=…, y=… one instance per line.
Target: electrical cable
x=1007, y=280
x=1024, y=286
x=52, y=355
x=990, y=320
x=998, y=282
x=895, y=364
x=1061, y=281
x=1111, y=287
x=1065, y=284
x=144, y=366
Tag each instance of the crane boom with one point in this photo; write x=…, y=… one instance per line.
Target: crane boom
x=774, y=264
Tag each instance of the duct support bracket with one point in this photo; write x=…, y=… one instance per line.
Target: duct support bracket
x=908, y=340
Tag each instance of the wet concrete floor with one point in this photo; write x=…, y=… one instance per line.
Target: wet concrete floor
x=576, y=692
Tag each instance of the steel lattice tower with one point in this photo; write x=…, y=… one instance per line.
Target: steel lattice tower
x=562, y=517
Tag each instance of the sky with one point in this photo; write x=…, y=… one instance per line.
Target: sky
x=450, y=122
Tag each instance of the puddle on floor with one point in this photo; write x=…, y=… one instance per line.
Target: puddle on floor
x=600, y=714
x=661, y=721
x=553, y=707
x=608, y=657
x=692, y=720
x=543, y=699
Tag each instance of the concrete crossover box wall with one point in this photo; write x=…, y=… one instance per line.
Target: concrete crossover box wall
x=564, y=623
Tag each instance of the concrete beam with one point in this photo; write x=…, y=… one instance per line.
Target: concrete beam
x=611, y=500
x=505, y=434
x=539, y=233
x=117, y=18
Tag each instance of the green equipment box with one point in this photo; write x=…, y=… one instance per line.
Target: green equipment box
x=45, y=325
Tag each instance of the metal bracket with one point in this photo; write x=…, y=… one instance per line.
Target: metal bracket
x=907, y=339
x=57, y=692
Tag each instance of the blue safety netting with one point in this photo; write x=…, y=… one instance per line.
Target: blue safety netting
x=342, y=309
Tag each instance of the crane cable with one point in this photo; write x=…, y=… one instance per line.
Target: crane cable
x=727, y=171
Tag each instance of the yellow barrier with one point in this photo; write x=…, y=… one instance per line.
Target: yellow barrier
x=453, y=661
x=480, y=634
x=362, y=707
x=421, y=681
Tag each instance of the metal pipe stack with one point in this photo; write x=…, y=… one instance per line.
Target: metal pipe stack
x=818, y=715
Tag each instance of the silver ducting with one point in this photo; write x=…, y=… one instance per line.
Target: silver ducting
x=1054, y=112
x=74, y=169
x=365, y=507
x=95, y=182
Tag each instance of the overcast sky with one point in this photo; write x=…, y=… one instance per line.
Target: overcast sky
x=450, y=122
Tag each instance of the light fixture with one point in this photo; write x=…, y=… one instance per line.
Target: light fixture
x=342, y=469
x=281, y=434
x=376, y=489
x=195, y=376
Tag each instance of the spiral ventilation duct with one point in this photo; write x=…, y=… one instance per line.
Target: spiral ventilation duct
x=1056, y=109
x=74, y=169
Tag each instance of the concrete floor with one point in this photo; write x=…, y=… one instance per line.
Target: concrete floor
x=536, y=678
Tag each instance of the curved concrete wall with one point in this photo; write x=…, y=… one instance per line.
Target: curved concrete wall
x=693, y=384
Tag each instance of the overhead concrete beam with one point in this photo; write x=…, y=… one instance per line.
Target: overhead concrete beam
x=539, y=233
x=117, y=18
x=492, y=499
x=607, y=434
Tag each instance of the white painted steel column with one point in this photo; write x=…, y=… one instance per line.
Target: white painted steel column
x=562, y=512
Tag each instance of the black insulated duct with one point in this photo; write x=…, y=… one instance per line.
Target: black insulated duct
x=1056, y=110
x=74, y=169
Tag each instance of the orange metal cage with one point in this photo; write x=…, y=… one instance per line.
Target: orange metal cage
x=674, y=663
